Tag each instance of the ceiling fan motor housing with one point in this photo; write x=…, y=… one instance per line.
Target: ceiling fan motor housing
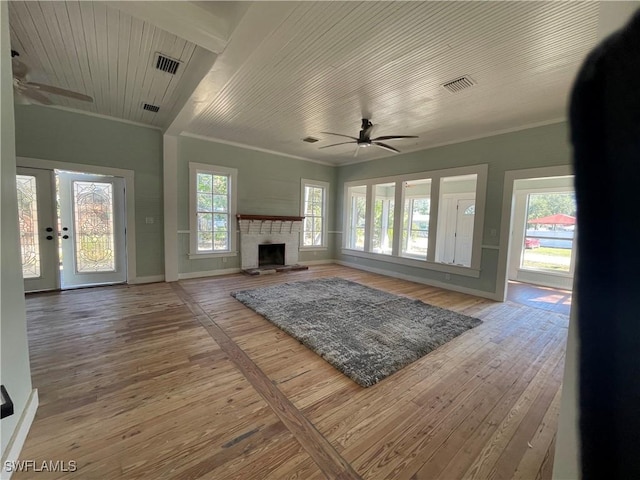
x=365, y=132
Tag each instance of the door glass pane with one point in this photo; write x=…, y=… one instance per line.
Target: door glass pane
x=549, y=238
x=94, y=236
x=28, y=221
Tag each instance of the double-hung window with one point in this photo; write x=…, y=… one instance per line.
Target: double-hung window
x=314, y=210
x=212, y=209
x=356, y=216
x=425, y=219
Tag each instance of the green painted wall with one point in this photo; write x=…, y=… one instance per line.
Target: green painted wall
x=54, y=134
x=15, y=373
x=268, y=184
x=531, y=148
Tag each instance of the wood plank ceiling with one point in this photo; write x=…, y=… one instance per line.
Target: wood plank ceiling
x=325, y=65
x=93, y=49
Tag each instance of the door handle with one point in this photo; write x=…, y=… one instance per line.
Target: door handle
x=49, y=229
x=49, y=237
x=65, y=236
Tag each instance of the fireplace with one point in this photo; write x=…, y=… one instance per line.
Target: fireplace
x=269, y=243
x=270, y=254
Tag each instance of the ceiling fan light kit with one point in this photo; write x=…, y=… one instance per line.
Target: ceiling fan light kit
x=364, y=138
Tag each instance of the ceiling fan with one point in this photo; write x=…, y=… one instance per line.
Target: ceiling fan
x=364, y=138
x=35, y=91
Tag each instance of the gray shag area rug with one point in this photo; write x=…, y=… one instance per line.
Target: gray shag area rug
x=365, y=333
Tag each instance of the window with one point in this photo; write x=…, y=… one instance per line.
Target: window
x=550, y=232
x=415, y=219
x=212, y=202
x=456, y=219
x=384, y=202
x=314, y=211
x=357, y=216
x=425, y=220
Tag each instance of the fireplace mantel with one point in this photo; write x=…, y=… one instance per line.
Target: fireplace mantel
x=273, y=218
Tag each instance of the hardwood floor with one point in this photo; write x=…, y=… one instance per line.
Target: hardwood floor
x=182, y=381
x=552, y=299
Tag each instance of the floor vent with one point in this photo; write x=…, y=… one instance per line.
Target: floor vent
x=167, y=64
x=151, y=108
x=459, y=84
x=310, y=140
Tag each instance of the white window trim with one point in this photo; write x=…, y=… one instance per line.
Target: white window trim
x=194, y=169
x=435, y=176
x=324, y=185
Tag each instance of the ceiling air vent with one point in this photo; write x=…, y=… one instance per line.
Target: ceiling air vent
x=151, y=108
x=310, y=140
x=167, y=64
x=459, y=84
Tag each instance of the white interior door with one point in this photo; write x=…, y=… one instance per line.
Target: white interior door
x=38, y=229
x=92, y=228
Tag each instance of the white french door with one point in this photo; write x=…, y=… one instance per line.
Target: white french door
x=76, y=239
x=92, y=229
x=38, y=229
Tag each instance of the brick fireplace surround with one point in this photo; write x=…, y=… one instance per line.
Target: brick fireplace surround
x=258, y=230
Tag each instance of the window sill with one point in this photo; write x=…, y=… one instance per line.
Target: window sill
x=196, y=256
x=313, y=249
x=439, y=267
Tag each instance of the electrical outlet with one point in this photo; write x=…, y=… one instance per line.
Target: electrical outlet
x=148, y=220
x=447, y=276
x=224, y=259
x=493, y=232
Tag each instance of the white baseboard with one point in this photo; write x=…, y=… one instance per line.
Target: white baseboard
x=149, y=279
x=424, y=281
x=209, y=273
x=310, y=263
x=12, y=453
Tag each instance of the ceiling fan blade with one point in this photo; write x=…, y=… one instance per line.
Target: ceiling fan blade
x=35, y=95
x=20, y=70
x=59, y=91
x=340, y=135
x=392, y=137
x=336, y=144
x=386, y=147
x=355, y=154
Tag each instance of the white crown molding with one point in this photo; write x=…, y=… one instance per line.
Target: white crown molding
x=99, y=115
x=250, y=147
x=467, y=139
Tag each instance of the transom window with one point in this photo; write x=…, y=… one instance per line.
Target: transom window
x=212, y=209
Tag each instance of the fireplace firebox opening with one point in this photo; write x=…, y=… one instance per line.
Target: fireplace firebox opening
x=271, y=254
